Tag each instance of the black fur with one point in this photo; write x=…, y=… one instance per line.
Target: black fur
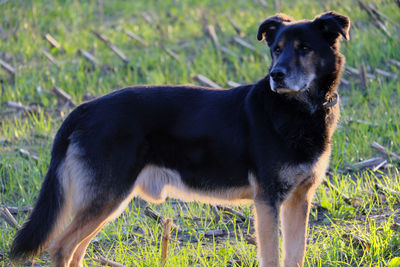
x=213, y=138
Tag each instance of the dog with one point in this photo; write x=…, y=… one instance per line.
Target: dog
x=266, y=143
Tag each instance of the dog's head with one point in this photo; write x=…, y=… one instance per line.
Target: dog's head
x=303, y=51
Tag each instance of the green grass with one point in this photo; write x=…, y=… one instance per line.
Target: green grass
x=134, y=239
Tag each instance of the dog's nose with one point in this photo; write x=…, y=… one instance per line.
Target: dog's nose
x=278, y=74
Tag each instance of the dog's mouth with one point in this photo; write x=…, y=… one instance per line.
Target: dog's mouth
x=296, y=87
x=282, y=90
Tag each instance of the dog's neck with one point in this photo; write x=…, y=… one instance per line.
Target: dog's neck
x=311, y=100
x=318, y=109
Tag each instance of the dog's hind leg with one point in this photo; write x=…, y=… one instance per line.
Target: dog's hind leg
x=69, y=248
x=266, y=224
x=79, y=253
x=80, y=250
x=294, y=221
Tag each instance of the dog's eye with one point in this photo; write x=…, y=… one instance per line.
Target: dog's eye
x=305, y=47
x=277, y=50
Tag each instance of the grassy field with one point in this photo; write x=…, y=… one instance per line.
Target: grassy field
x=360, y=230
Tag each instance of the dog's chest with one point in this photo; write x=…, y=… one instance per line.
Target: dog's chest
x=292, y=175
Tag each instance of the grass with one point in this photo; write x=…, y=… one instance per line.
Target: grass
x=134, y=239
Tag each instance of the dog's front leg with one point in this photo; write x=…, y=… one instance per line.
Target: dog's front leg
x=294, y=222
x=266, y=224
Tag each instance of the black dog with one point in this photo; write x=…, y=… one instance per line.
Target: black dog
x=267, y=143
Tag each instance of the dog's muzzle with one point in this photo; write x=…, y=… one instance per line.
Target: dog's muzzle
x=282, y=84
x=277, y=77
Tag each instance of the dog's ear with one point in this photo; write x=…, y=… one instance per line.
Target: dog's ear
x=270, y=26
x=333, y=25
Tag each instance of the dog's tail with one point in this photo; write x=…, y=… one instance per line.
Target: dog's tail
x=46, y=216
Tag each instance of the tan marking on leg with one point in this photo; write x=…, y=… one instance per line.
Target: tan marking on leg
x=79, y=229
x=80, y=250
x=266, y=224
x=294, y=223
x=296, y=207
x=79, y=253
